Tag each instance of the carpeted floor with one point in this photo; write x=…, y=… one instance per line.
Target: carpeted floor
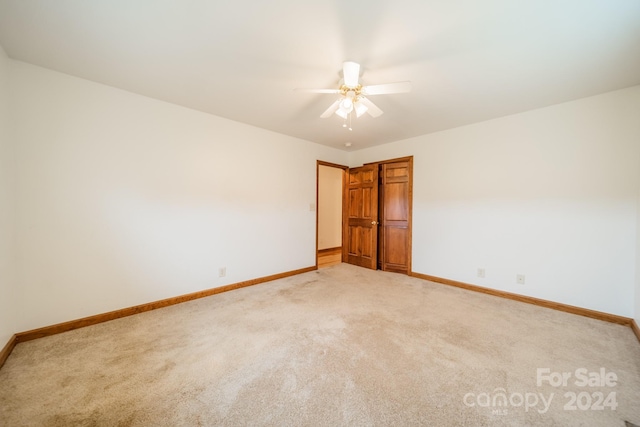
x=339, y=346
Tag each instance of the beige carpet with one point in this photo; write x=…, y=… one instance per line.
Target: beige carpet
x=340, y=346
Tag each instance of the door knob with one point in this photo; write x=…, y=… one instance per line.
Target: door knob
x=374, y=223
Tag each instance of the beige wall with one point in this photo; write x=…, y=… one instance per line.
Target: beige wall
x=550, y=193
x=8, y=298
x=125, y=199
x=637, y=286
x=329, y=207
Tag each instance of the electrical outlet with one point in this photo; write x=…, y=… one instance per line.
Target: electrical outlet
x=222, y=271
x=520, y=279
x=481, y=272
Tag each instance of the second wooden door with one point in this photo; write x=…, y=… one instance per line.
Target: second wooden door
x=395, y=217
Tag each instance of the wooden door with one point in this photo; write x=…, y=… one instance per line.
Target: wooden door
x=395, y=217
x=362, y=228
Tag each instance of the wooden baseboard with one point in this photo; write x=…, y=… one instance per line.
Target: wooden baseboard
x=636, y=329
x=93, y=320
x=330, y=251
x=613, y=318
x=112, y=315
x=7, y=349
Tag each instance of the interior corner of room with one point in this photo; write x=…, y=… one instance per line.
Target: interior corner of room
x=98, y=224
x=111, y=200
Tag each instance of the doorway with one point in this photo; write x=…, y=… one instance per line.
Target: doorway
x=376, y=215
x=330, y=202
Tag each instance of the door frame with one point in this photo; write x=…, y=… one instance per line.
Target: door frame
x=345, y=213
x=345, y=170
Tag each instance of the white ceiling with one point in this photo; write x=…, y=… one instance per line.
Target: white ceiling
x=468, y=60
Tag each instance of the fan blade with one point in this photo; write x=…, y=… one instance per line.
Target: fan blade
x=350, y=73
x=398, y=87
x=318, y=90
x=372, y=108
x=329, y=111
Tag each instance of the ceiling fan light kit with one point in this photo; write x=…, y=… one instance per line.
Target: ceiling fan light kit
x=360, y=109
x=353, y=95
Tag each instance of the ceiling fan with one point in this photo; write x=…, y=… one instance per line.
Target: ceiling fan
x=354, y=97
